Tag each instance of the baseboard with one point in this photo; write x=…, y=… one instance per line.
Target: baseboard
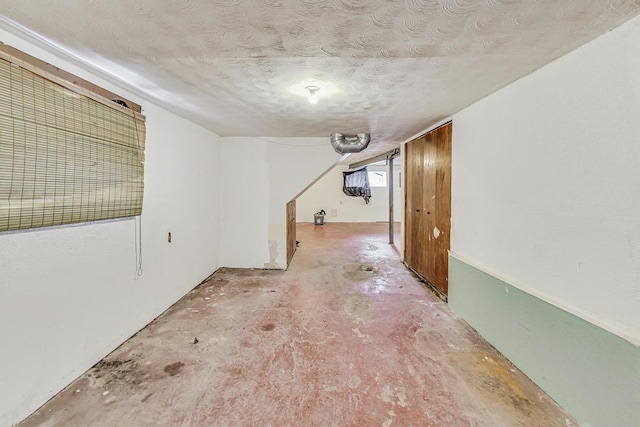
x=591, y=372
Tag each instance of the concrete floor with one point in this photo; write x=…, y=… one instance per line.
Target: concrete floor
x=346, y=336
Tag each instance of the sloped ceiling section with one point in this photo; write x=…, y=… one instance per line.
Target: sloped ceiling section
x=391, y=68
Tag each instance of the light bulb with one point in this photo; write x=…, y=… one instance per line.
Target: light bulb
x=313, y=97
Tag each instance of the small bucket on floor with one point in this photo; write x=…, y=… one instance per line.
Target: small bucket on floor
x=318, y=218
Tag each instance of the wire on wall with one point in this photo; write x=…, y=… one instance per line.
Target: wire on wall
x=138, y=246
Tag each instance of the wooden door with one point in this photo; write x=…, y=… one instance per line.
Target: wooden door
x=441, y=225
x=428, y=206
x=414, y=158
x=291, y=230
x=428, y=256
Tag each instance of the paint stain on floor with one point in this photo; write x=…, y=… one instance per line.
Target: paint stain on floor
x=346, y=336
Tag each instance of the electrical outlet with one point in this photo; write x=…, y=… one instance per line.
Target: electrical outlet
x=334, y=212
x=169, y=237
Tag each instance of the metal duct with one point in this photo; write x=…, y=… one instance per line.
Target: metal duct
x=350, y=143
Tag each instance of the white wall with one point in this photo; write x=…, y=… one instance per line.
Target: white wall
x=327, y=194
x=68, y=295
x=245, y=200
x=259, y=176
x=546, y=179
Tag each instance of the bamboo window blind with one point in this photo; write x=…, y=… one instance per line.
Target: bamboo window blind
x=66, y=155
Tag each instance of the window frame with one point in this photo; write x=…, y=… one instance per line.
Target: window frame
x=372, y=182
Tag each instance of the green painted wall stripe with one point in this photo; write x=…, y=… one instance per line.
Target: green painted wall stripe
x=592, y=373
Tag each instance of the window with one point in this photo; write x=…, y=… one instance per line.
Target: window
x=67, y=155
x=377, y=178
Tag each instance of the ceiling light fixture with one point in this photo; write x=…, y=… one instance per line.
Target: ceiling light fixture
x=313, y=97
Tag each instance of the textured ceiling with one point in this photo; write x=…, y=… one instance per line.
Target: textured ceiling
x=392, y=68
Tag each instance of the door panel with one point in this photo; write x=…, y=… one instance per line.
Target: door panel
x=291, y=230
x=442, y=218
x=413, y=247
x=427, y=269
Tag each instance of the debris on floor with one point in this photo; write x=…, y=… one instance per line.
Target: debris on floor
x=346, y=336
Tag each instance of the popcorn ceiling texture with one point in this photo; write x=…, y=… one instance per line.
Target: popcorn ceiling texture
x=397, y=67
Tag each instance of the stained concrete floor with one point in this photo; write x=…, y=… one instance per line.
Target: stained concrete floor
x=346, y=336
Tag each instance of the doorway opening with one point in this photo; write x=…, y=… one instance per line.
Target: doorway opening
x=385, y=207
